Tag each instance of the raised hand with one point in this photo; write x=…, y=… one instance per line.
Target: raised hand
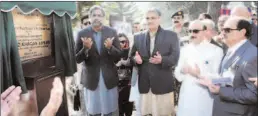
x=108, y=42
x=87, y=42
x=138, y=58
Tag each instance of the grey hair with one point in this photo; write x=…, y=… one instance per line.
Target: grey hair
x=208, y=23
x=157, y=11
x=96, y=7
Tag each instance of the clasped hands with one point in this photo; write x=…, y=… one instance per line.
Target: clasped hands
x=87, y=42
x=156, y=59
x=201, y=79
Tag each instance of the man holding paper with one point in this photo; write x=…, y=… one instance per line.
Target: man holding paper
x=238, y=97
x=197, y=58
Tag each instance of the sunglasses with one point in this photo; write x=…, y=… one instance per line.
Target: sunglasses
x=87, y=23
x=194, y=31
x=123, y=42
x=254, y=19
x=228, y=30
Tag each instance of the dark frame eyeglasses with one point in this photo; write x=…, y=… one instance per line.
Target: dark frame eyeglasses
x=123, y=41
x=228, y=30
x=87, y=23
x=194, y=31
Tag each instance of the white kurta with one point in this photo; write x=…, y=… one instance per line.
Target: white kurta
x=195, y=99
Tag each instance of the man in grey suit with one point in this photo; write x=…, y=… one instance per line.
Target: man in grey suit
x=238, y=97
x=98, y=48
x=155, y=52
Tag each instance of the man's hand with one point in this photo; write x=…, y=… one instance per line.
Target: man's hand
x=204, y=81
x=157, y=59
x=87, y=42
x=253, y=79
x=8, y=98
x=207, y=82
x=192, y=71
x=214, y=89
x=108, y=42
x=138, y=58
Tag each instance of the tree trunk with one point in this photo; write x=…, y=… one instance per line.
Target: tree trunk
x=214, y=9
x=196, y=9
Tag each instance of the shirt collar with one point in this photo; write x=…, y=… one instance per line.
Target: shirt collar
x=235, y=47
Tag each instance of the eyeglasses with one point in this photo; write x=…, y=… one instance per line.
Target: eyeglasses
x=194, y=31
x=228, y=30
x=254, y=19
x=123, y=42
x=152, y=18
x=97, y=15
x=87, y=23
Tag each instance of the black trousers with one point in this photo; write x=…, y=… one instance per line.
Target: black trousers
x=125, y=107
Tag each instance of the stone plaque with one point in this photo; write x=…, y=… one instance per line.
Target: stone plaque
x=33, y=33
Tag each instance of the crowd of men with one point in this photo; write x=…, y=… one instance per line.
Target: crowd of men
x=192, y=69
x=201, y=70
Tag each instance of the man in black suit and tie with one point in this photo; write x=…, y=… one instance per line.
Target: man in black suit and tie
x=98, y=48
x=155, y=52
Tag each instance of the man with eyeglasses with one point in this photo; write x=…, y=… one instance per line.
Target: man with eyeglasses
x=85, y=22
x=98, y=47
x=242, y=11
x=200, y=57
x=155, y=52
x=237, y=96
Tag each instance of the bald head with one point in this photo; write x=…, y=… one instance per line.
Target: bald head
x=241, y=11
x=197, y=23
x=196, y=31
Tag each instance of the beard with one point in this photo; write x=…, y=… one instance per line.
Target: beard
x=97, y=23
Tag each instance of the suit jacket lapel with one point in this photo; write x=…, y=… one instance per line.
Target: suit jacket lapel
x=94, y=45
x=237, y=55
x=158, y=40
x=147, y=46
x=103, y=38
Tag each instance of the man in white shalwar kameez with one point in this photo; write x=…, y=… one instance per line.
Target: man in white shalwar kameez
x=196, y=59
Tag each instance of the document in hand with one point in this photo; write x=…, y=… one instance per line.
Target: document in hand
x=222, y=81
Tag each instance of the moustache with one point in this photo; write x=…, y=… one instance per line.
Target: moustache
x=193, y=37
x=176, y=21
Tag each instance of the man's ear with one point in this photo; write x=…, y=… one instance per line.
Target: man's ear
x=243, y=31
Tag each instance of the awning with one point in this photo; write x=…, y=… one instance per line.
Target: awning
x=46, y=8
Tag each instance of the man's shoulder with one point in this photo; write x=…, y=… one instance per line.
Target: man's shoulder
x=141, y=33
x=109, y=28
x=87, y=29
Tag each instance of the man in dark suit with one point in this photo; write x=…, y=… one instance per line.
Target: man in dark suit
x=155, y=52
x=98, y=48
x=210, y=31
x=239, y=96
